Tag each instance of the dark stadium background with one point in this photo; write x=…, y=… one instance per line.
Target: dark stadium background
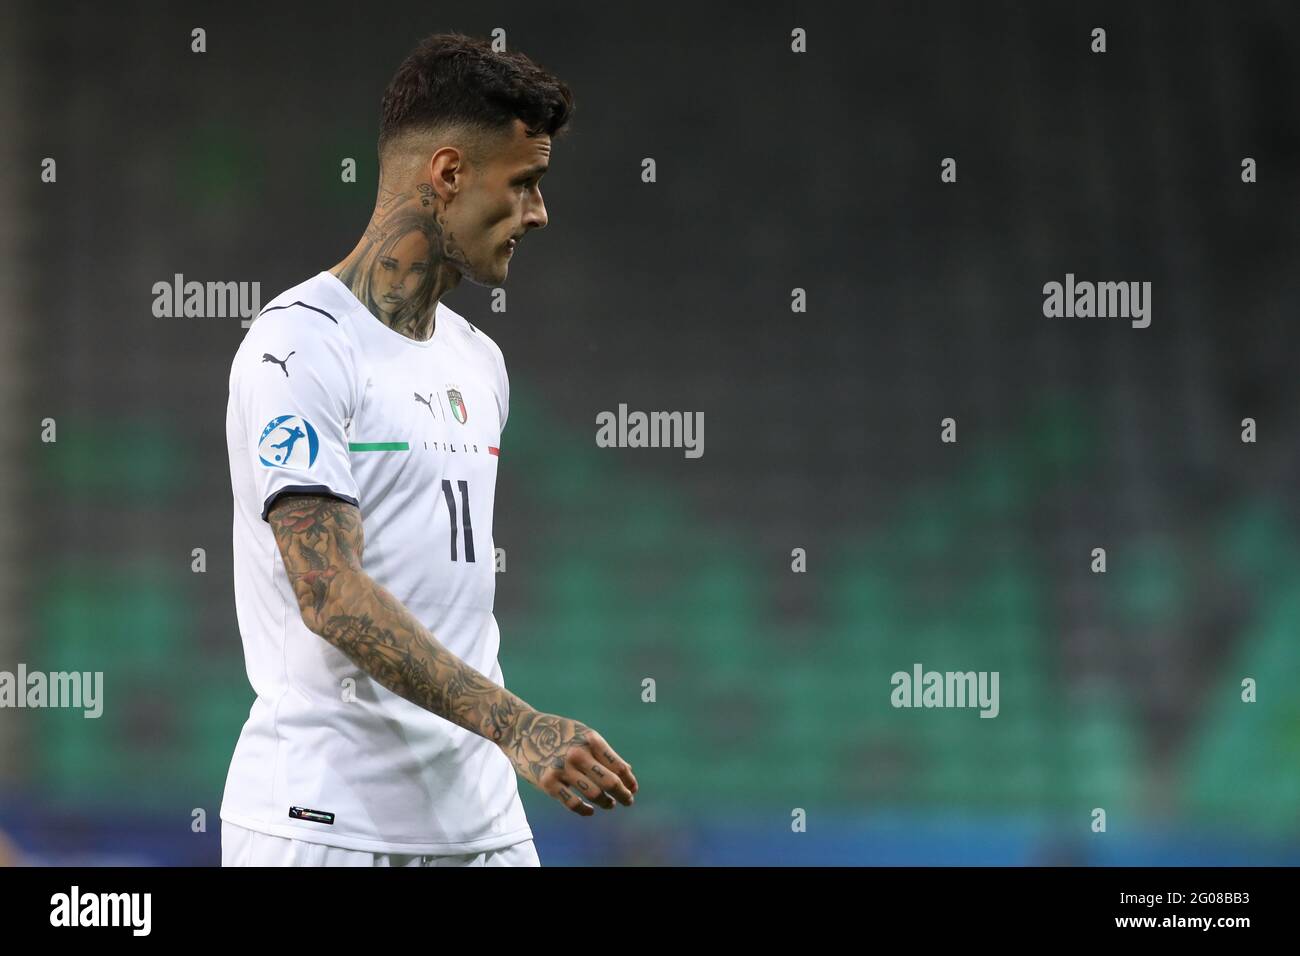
x=775, y=171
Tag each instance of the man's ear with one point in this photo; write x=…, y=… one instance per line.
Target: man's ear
x=447, y=171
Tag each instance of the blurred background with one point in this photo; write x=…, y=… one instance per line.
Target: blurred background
x=776, y=170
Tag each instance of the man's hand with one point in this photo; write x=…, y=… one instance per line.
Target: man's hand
x=565, y=758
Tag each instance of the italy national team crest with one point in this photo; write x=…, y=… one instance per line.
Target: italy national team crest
x=457, y=405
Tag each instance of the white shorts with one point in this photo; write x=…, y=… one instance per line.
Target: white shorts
x=244, y=847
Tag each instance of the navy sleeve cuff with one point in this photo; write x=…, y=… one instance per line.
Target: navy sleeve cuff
x=305, y=490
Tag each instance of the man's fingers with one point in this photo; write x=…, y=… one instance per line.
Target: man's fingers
x=566, y=796
x=606, y=780
x=589, y=787
x=604, y=753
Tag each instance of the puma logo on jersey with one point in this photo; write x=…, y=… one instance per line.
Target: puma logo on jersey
x=427, y=401
x=268, y=357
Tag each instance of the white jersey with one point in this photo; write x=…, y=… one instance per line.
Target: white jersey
x=325, y=398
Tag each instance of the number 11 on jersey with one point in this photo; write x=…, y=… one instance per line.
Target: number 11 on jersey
x=450, y=496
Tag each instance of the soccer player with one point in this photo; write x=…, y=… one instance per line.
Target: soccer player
x=364, y=430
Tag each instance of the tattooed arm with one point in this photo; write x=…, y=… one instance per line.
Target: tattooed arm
x=321, y=541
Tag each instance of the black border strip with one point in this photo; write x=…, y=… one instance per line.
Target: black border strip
x=305, y=490
x=272, y=308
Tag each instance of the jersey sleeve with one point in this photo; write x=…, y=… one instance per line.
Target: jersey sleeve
x=502, y=383
x=505, y=395
x=295, y=383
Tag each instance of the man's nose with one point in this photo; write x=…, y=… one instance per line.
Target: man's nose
x=536, y=217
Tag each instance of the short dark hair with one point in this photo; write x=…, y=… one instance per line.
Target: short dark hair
x=451, y=79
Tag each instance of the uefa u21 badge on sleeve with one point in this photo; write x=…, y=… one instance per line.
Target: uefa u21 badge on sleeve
x=288, y=441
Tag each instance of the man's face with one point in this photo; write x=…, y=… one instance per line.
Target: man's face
x=501, y=201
